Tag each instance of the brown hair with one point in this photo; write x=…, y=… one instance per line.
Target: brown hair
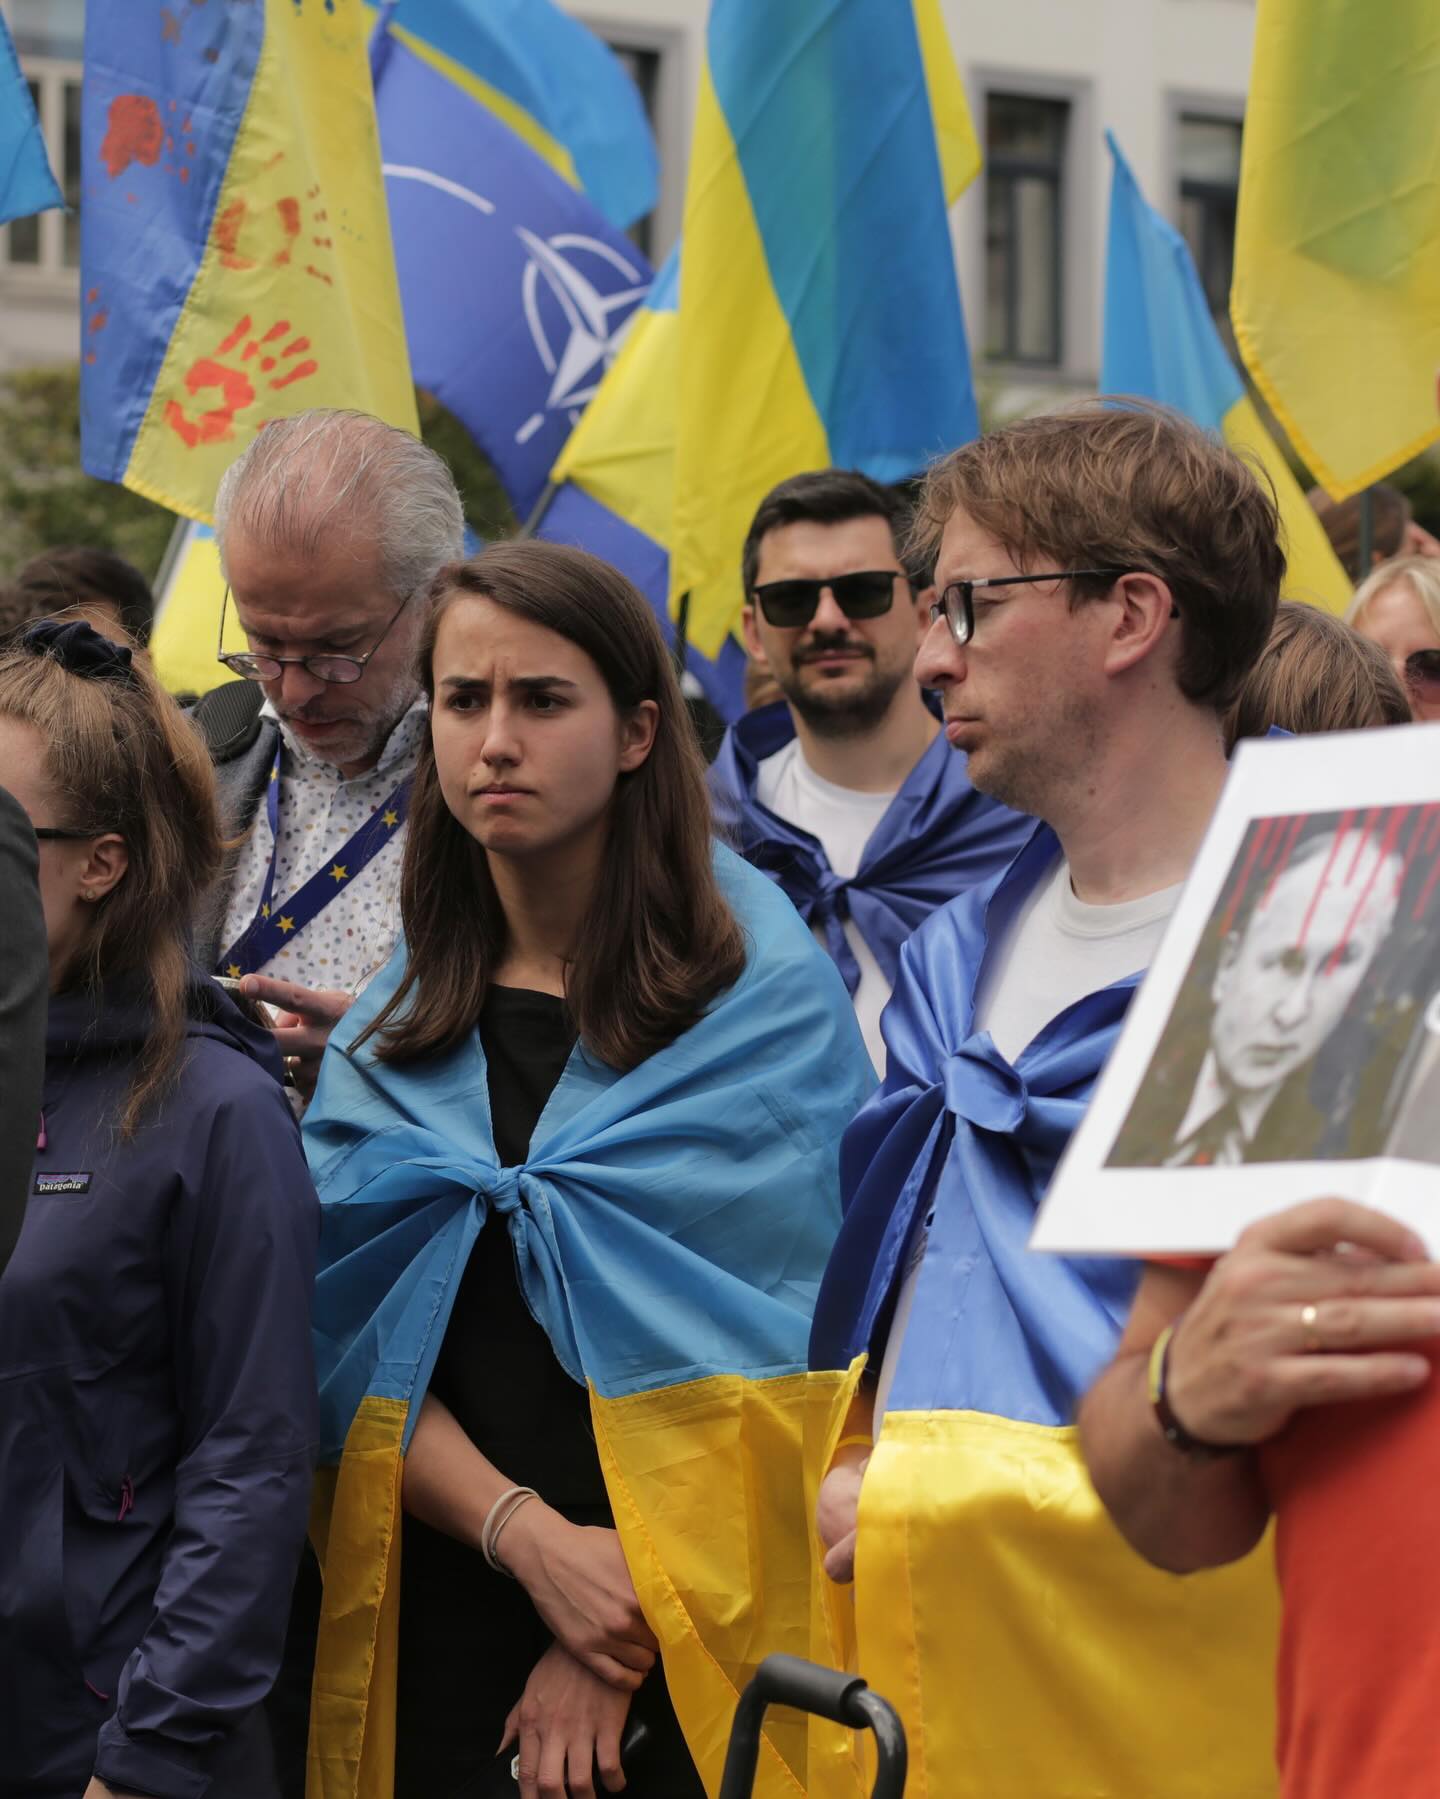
x=1390, y=513
x=659, y=941
x=85, y=579
x=1130, y=485
x=1316, y=674
x=120, y=756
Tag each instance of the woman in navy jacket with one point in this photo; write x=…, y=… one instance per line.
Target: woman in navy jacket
x=157, y=1399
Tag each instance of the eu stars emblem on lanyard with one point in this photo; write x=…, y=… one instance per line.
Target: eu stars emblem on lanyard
x=273, y=925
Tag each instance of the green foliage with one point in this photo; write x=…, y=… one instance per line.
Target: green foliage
x=47, y=499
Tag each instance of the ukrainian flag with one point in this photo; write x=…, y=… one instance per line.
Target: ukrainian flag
x=670, y=1227
x=1336, y=297
x=553, y=82
x=235, y=260
x=820, y=319
x=1161, y=343
x=1031, y=1653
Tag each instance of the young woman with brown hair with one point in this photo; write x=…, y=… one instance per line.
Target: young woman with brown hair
x=157, y=1400
x=577, y=1163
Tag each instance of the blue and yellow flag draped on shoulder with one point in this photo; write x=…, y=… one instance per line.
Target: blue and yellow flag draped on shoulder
x=235, y=261
x=1161, y=343
x=670, y=1228
x=1032, y=1654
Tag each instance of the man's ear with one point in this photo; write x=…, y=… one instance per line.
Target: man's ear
x=749, y=624
x=1144, y=613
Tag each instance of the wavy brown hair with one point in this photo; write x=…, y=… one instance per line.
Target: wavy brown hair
x=120, y=756
x=659, y=942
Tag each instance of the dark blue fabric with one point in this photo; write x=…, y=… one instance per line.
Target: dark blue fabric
x=960, y=1133
x=938, y=839
x=157, y=1409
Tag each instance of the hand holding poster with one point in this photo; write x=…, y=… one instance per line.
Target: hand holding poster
x=1286, y=1042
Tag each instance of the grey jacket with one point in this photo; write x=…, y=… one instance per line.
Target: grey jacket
x=240, y=780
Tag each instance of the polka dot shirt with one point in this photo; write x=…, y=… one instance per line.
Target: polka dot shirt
x=352, y=937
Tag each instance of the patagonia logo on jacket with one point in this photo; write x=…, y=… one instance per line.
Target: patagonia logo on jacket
x=58, y=1185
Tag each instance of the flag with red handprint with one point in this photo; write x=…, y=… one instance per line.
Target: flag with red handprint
x=235, y=246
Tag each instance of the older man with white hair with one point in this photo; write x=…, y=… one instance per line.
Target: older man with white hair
x=330, y=527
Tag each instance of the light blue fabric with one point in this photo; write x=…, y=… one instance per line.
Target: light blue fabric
x=960, y=1132
x=669, y=1223
x=1160, y=340
x=26, y=182
x=568, y=80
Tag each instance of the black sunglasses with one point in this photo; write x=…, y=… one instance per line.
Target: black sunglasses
x=956, y=604
x=325, y=666
x=1422, y=669
x=790, y=604
x=58, y=833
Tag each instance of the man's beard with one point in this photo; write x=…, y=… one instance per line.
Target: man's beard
x=843, y=710
x=1032, y=777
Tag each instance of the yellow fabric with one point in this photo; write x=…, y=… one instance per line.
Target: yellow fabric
x=746, y=419
x=355, y=1525
x=954, y=128
x=522, y=123
x=296, y=303
x=622, y=452
x=706, y=1483
x=187, y=620
x=1336, y=297
x=1030, y=1652
x=1313, y=570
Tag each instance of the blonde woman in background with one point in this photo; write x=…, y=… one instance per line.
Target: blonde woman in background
x=1398, y=607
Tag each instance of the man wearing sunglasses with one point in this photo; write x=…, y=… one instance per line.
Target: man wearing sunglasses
x=1105, y=578
x=330, y=528
x=845, y=792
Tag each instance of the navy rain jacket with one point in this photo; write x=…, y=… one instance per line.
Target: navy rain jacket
x=157, y=1408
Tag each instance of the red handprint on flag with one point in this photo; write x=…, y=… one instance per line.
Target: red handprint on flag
x=234, y=381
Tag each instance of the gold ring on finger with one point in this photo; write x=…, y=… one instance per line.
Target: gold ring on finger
x=1310, y=1325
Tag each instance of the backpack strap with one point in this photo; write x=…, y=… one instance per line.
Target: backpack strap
x=228, y=718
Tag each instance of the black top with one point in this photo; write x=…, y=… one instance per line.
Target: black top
x=496, y=1370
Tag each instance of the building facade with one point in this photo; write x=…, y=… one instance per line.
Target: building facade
x=1045, y=79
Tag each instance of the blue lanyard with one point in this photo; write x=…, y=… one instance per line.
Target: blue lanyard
x=273, y=925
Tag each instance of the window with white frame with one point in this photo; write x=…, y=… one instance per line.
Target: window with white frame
x=1208, y=158
x=1025, y=142
x=642, y=64
x=49, y=242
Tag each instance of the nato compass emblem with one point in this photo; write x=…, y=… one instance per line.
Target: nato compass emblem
x=577, y=315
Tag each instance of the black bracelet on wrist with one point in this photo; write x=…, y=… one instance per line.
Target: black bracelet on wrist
x=1171, y=1428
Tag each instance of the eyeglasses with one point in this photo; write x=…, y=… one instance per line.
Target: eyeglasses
x=790, y=604
x=957, y=602
x=324, y=666
x=1422, y=671
x=58, y=833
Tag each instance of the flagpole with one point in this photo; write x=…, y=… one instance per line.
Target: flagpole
x=682, y=632
x=539, y=509
x=1365, y=554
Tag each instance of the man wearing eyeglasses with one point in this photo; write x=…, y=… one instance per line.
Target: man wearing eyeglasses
x=845, y=793
x=1105, y=577
x=330, y=529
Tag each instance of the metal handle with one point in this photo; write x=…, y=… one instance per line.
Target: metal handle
x=807, y=1687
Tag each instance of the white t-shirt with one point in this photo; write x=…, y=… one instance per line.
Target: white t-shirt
x=1057, y=951
x=843, y=819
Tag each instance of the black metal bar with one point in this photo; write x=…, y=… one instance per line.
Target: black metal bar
x=682, y=633
x=1365, y=554
x=805, y=1686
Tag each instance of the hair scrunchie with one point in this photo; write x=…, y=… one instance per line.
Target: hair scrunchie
x=79, y=649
